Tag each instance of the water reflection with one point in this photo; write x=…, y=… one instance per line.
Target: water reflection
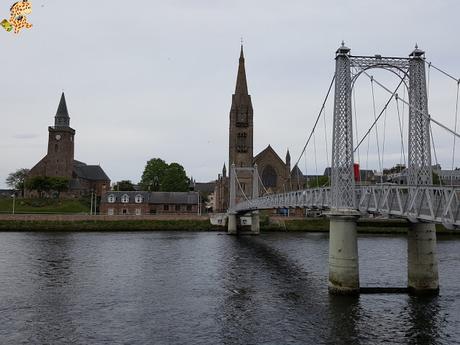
x=52, y=297
x=344, y=313
x=424, y=320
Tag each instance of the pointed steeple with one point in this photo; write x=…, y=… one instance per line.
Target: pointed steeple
x=241, y=83
x=62, y=118
x=288, y=157
x=224, y=171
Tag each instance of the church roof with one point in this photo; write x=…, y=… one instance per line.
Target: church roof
x=62, y=118
x=89, y=172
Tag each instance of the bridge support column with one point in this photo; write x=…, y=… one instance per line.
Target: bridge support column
x=422, y=265
x=232, y=224
x=255, y=223
x=343, y=255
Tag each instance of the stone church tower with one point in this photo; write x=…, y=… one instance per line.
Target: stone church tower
x=241, y=130
x=241, y=121
x=274, y=172
x=60, y=144
x=59, y=160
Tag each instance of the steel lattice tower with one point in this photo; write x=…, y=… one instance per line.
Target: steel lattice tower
x=342, y=181
x=419, y=167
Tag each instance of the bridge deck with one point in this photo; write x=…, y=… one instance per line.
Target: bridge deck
x=423, y=203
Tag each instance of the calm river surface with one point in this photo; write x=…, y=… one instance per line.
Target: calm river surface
x=210, y=288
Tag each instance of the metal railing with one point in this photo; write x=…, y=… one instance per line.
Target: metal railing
x=417, y=203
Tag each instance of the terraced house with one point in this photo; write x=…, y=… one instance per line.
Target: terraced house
x=141, y=203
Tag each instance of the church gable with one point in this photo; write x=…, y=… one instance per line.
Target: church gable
x=272, y=169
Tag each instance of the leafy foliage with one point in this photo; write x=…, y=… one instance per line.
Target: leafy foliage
x=153, y=173
x=320, y=181
x=16, y=179
x=124, y=185
x=175, y=179
x=46, y=184
x=160, y=176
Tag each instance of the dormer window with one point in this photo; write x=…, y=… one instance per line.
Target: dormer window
x=138, y=199
x=125, y=198
x=111, y=198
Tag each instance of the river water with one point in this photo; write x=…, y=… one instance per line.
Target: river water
x=210, y=288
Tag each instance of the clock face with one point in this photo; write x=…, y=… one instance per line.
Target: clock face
x=58, y=137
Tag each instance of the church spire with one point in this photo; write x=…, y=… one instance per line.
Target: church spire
x=241, y=83
x=62, y=118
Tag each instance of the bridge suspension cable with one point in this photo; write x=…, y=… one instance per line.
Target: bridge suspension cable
x=317, y=119
x=393, y=94
x=376, y=127
x=428, y=116
x=430, y=64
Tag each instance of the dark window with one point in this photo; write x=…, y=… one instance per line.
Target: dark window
x=125, y=211
x=56, y=147
x=153, y=211
x=242, y=117
x=189, y=207
x=177, y=207
x=241, y=142
x=269, y=177
x=165, y=207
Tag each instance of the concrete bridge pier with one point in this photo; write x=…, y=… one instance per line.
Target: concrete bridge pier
x=232, y=228
x=255, y=223
x=422, y=262
x=343, y=254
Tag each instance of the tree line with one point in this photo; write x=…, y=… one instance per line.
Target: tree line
x=157, y=176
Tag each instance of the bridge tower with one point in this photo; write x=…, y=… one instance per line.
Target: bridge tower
x=422, y=267
x=343, y=247
x=343, y=250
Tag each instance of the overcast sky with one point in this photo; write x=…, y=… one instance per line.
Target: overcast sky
x=153, y=78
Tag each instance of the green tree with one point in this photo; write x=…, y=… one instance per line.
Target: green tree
x=124, y=185
x=320, y=181
x=153, y=174
x=174, y=179
x=58, y=184
x=436, y=179
x=46, y=184
x=16, y=179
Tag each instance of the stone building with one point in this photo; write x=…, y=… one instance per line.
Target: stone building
x=141, y=203
x=59, y=160
x=274, y=172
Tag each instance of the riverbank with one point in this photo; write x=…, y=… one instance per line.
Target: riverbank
x=187, y=222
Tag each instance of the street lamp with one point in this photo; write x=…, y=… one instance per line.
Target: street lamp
x=14, y=200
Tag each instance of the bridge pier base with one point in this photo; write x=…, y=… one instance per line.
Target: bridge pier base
x=343, y=255
x=255, y=223
x=232, y=224
x=422, y=262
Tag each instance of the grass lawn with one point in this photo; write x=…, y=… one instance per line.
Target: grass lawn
x=44, y=206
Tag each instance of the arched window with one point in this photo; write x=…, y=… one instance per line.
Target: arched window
x=269, y=177
x=111, y=198
x=138, y=199
x=125, y=198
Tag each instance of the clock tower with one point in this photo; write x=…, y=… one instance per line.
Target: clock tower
x=60, y=155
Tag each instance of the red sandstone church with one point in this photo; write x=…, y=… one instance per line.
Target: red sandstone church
x=59, y=161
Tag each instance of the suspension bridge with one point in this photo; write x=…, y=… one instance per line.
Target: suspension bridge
x=345, y=200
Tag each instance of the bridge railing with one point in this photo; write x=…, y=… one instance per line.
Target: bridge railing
x=417, y=203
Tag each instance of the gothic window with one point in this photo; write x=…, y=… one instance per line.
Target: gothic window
x=269, y=177
x=125, y=198
x=138, y=199
x=242, y=117
x=241, y=142
x=111, y=198
x=138, y=211
x=56, y=147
